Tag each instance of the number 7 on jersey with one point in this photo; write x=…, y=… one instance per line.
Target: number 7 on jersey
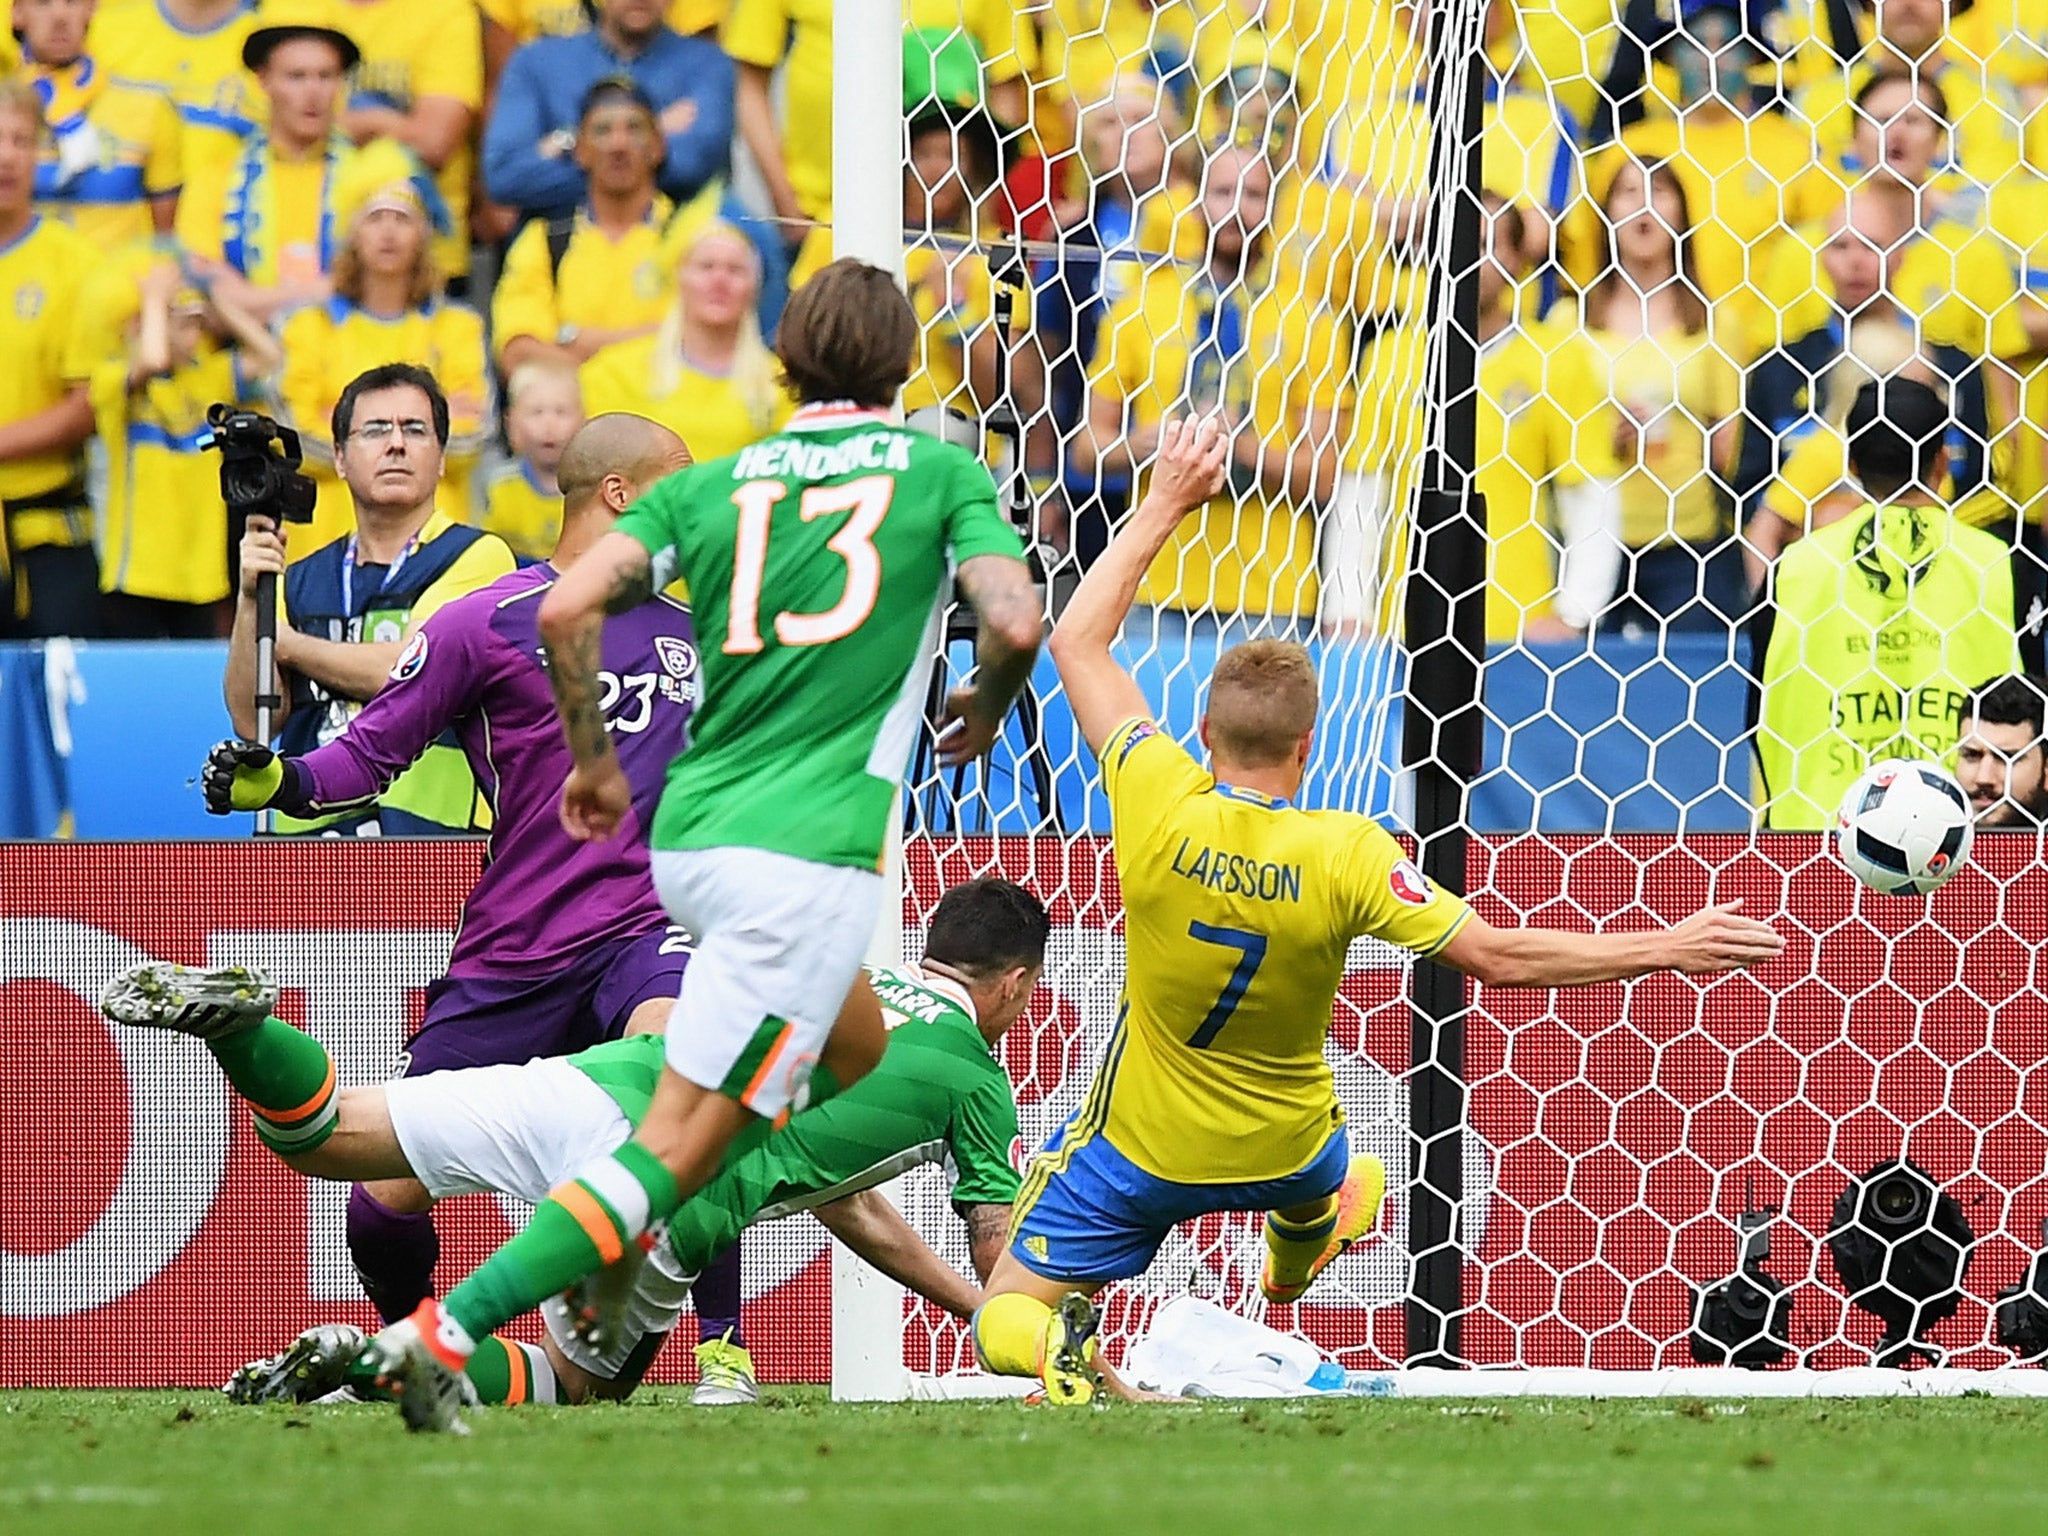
x=1251, y=948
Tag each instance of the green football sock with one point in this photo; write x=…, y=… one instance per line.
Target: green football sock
x=504, y=1372
x=288, y=1079
x=582, y=1226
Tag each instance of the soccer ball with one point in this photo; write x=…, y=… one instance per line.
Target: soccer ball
x=1904, y=827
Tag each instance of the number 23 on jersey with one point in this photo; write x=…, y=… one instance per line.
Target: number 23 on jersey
x=868, y=500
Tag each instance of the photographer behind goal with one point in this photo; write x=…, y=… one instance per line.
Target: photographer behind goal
x=349, y=607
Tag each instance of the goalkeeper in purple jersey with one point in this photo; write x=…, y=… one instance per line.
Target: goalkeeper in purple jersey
x=562, y=944
x=938, y=1093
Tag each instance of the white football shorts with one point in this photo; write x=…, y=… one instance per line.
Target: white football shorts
x=779, y=943
x=511, y=1130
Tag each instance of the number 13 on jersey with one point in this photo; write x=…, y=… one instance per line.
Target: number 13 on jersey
x=868, y=500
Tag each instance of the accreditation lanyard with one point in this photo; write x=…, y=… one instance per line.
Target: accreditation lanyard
x=348, y=576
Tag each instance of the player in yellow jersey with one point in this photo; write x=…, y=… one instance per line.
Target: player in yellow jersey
x=1239, y=909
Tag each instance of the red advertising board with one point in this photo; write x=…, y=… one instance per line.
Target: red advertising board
x=146, y=1237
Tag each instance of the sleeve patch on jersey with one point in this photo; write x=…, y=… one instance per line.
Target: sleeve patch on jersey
x=1132, y=737
x=1409, y=885
x=411, y=659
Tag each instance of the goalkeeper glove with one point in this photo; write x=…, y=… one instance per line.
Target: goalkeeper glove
x=240, y=776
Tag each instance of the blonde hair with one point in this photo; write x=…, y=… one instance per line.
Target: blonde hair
x=1263, y=699
x=1134, y=87
x=541, y=370
x=753, y=365
x=17, y=94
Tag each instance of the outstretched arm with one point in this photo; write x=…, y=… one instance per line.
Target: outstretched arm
x=872, y=1227
x=1718, y=939
x=1102, y=695
x=614, y=574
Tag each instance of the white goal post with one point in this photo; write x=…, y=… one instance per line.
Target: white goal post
x=867, y=63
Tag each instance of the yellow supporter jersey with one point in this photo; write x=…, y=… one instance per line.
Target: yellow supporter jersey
x=43, y=272
x=101, y=173
x=218, y=101
x=269, y=218
x=518, y=509
x=765, y=33
x=715, y=414
x=528, y=19
x=1813, y=486
x=603, y=284
x=1188, y=47
x=1546, y=422
x=1746, y=180
x=1527, y=157
x=1238, y=913
x=1251, y=556
x=1344, y=56
x=1349, y=56
x=2019, y=215
x=954, y=299
x=164, y=527
x=413, y=49
x=1958, y=280
x=1681, y=387
x=326, y=345
x=1562, y=49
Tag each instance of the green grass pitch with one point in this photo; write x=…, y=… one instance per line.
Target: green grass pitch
x=173, y=1463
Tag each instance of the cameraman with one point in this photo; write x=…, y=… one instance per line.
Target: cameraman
x=349, y=606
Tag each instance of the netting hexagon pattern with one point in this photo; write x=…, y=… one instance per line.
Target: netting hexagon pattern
x=1698, y=249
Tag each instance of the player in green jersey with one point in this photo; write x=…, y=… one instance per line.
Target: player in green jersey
x=938, y=1092
x=819, y=563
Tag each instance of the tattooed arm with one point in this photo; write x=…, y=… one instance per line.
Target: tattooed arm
x=1012, y=623
x=613, y=575
x=988, y=1230
x=873, y=1228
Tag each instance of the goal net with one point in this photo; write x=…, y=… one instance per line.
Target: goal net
x=1249, y=210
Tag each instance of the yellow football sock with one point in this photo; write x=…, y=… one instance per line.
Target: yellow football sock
x=1009, y=1334
x=1295, y=1245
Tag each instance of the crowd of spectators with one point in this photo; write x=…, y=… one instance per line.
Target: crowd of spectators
x=1709, y=224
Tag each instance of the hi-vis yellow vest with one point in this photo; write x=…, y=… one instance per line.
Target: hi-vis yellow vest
x=1885, y=620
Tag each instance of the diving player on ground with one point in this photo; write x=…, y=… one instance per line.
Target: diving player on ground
x=1214, y=1094
x=938, y=1091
